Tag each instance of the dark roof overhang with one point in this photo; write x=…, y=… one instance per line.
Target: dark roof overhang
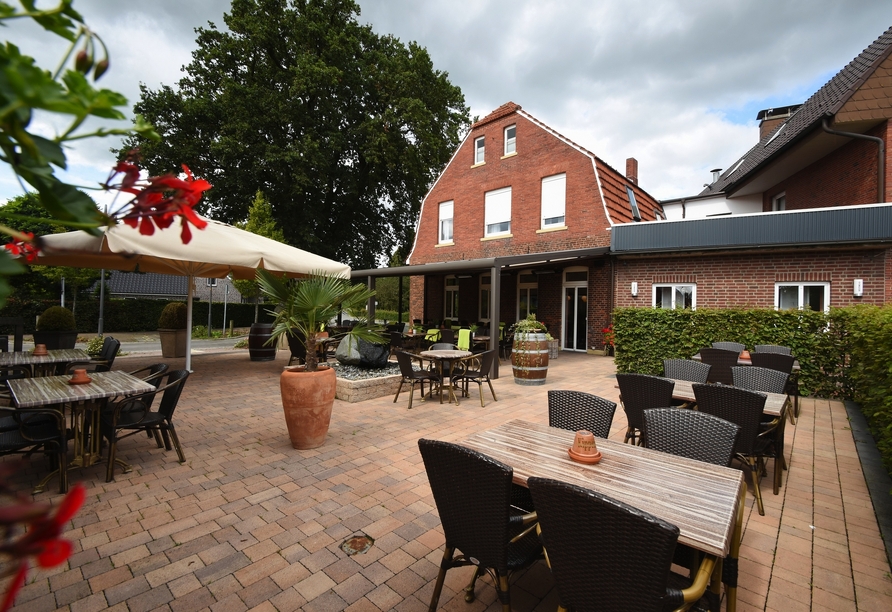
x=472, y=265
x=871, y=223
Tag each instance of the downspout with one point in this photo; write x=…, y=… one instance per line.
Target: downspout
x=881, y=157
x=683, y=212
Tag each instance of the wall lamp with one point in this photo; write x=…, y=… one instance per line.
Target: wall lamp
x=858, y=288
x=634, y=289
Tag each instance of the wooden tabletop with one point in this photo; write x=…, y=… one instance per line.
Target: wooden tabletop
x=748, y=362
x=700, y=498
x=684, y=391
x=30, y=392
x=445, y=354
x=54, y=356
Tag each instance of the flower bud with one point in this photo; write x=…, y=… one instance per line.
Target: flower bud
x=83, y=62
x=101, y=67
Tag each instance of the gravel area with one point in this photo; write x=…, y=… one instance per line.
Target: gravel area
x=355, y=373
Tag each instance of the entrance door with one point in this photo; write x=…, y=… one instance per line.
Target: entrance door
x=575, y=318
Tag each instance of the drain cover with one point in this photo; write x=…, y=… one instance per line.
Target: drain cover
x=357, y=543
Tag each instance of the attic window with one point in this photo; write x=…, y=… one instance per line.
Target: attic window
x=776, y=134
x=633, y=204
x=736, y=166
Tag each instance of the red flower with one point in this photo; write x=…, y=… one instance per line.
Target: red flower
x=24, y=248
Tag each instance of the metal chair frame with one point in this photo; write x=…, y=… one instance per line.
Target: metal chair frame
x=412, y=376
x=479, y=376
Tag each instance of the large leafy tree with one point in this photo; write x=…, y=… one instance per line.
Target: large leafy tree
x=342, y=129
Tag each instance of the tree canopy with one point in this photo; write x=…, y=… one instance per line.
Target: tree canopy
x=342, y=129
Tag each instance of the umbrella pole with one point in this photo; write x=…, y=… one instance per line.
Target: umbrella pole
x=189, y=326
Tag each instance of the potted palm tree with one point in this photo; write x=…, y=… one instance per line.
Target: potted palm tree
x=303, y=308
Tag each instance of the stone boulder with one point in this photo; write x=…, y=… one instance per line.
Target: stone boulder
x=356, y=352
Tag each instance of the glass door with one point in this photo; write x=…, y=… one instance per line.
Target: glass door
x=575, y=318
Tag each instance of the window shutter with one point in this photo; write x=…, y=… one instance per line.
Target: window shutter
x=554, y=197
x=498, y=206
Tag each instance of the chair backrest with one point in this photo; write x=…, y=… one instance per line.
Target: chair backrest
x=575, y=410
x=110, y=347
x=739, y=406
x=432, y=335
x=486, y=359
x=473, y=493
x=686, y=369
x=405, y=361
x=755, y=378
x=464, y=339
x=729, y=346
x=605, y=555
x=447, y=335
x=691, y=433
x=774, y=361
x=297, y=345
x=442, y=346
x=396, y=340
x=640, y=392
x=722, y=361
x=773, y=348
x=173, y=387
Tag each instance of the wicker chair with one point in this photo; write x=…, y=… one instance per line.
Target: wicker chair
x=782, y=363
x=575, y=410
x=447, y=336
x=755, y=378
x=637, y=393
x=479, y=376
x=745, y=409
x=607, y=556
x=773, y=348
x=473, y=497
x=721, y=360
x=37, y=428
x=412, y=376
x=692, y=434
x=737, y=347
x=686, y=369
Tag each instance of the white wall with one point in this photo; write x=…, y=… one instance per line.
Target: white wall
x=707, y=207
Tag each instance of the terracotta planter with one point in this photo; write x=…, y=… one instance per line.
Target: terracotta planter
x=173, y=342
x=529, y=359
x=307, y=398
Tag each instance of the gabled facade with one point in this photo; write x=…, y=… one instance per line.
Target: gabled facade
x=516, y=187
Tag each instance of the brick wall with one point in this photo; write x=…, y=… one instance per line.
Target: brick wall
x=738, y=280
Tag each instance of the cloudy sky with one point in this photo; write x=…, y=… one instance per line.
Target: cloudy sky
x=675, y=83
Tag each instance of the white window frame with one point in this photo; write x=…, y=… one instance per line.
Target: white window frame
x=450, y=300
x=779, y=202
x=800, y=298
x=479, y=150
x=447, y=212
x=674, y=287
x=525, y=288
x=553, y=201
x=497, y=212
x=511, y=142
x=485, y=297
x=212, y=282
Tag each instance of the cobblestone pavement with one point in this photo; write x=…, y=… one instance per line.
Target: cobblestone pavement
x=248, y=523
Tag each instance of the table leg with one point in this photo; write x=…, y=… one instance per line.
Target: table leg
x=729, y=567
x=779, y=460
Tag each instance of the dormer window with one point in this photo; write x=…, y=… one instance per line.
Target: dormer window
x=636, y=215
x=511, y=140
x=479, y=148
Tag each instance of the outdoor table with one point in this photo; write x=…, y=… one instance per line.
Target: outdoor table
x=450, y=357
x=28, y=358
x=83, y=399
x=748, y=362
x=705, y=501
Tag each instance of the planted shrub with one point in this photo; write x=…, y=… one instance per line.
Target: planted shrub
x=56, y=318
x=173, y=316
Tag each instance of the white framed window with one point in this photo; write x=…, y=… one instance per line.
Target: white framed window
x=779, y=202
x=479, y=150
x=212, y=282
x=554, y=200
x=450, y=311
x=497, y=217
x=510, y=139
x=445, y=224
x=527, y=294
x=485, y=295
x=670, y=297
x=798, y=296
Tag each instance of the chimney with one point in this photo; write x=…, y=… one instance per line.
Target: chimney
x=716, y=173
x=770, y=118
x=632, y=170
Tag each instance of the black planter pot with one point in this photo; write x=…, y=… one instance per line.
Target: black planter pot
x=257, y=348
x=55, y=340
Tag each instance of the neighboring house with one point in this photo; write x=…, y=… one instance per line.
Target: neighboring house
x=818, y=237
x=124, y=285
x=518, y=223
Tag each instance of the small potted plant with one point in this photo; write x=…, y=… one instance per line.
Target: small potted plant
x=56, y=328
x=303, y=308
x=172, y=329
x=529, y=357
x=609, y=338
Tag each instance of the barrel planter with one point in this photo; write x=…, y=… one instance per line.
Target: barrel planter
x=529, y=359
x=258, y=337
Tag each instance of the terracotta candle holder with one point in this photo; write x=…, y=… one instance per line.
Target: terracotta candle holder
x=79, y=375
x=40, y=349
x=584, y=443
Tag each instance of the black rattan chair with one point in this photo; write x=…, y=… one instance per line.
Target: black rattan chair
x=755, y=378
x=782, y=363
x=745, y=409
x=692, y=434
x=686, y=369
x=772, y=348
x=447, y=336
x=607, y=556
x=729, y=346
x=575, y=410
x=637, y=393
x=298, y=347
x=412, y=376
x=396, y=342
x=473, y=497
x=479, y=376
x=132, y=414
x=35, y=429
x=721, y=360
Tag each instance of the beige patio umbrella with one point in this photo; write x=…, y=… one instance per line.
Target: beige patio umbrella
x=214, y=252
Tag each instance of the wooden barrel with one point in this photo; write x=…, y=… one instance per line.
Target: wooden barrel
x=257, y=348
x=529, y=359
